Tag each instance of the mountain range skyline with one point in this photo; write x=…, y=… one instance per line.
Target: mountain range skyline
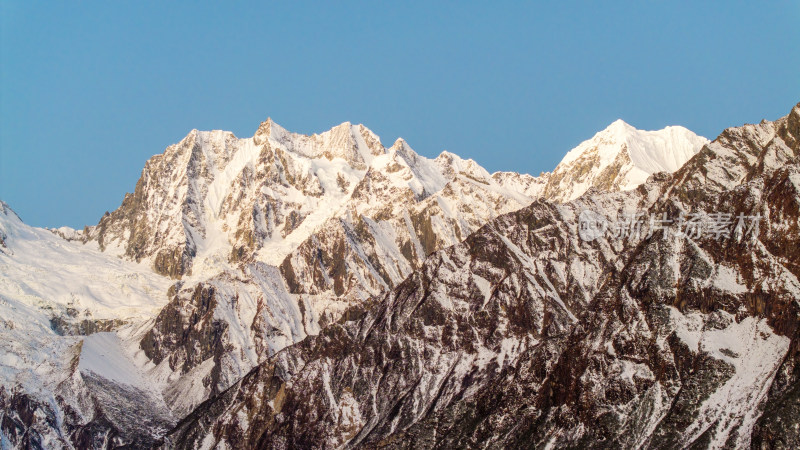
x=418, y=225
x=85, y=91
x=616, y=124
x=333, y=290
x=232, y=254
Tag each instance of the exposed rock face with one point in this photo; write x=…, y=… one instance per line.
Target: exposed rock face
x=185, y=331
x=527, y=335
x=82, y=327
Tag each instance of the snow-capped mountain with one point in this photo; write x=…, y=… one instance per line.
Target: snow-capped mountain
x=343, y=217
x=241, y=247
x=530, y=334
x=221, y=214
x=620, y=158
x=213, y=198
x=374, y=215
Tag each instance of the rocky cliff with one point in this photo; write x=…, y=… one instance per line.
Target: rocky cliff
x=575, y=325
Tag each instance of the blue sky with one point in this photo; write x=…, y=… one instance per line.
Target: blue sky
x=90, y=90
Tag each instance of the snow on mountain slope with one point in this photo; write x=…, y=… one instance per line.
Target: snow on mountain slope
x=51, y=291
x=621, y=158
x=214, y=199
x=41, y=270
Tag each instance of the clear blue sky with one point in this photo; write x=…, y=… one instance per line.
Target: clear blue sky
x=90, y=90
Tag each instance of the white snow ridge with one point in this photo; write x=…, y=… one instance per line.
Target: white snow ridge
x=621, y=158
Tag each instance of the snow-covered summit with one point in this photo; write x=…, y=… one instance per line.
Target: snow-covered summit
x=354, y=143
x=272, y=237
x=621, y=157
x=214, y=200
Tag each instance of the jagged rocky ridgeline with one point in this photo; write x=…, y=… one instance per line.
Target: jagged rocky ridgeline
x=527, y=335
x=233, y=249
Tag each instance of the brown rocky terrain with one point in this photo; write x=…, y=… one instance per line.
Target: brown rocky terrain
x=527, y=335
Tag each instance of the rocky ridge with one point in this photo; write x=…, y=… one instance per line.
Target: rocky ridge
x=528, y=335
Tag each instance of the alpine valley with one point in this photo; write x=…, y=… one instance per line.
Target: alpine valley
x=328, y=291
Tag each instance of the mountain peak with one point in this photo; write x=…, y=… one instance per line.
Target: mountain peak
x=401, y=148
x=620, y=125
x=620, y=158
x=268, y=129
x=399, y=143
x=7, y=211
